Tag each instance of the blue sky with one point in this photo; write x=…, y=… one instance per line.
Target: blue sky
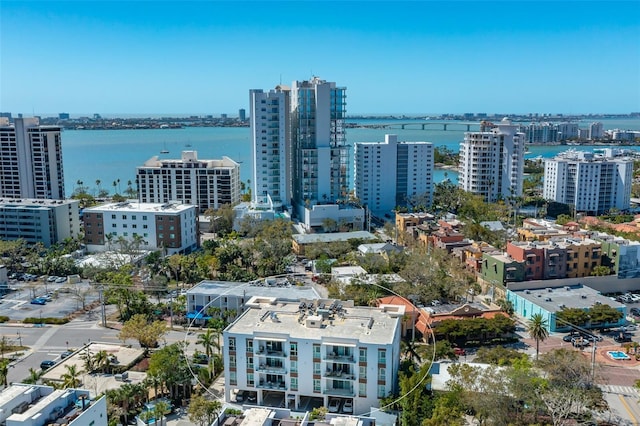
x=202, y=57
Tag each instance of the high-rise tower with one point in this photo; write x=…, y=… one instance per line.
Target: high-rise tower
x=31, y=155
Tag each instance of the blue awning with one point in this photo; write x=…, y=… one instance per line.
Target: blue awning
x=198, y=316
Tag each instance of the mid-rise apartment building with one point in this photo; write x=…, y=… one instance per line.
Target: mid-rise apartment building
x=39, y=221
x=314, y=348
x=31, y=160
x=169, y=227
x=37, y=405
x=596, y=131
x=492, y=162
x=393, y=173
x=592, y=183
x=189, y=180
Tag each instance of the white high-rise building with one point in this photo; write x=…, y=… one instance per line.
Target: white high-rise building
x=492, y=162
x=325, y=349
x=271, y=147
x=203, y=183
x=304, y=134
x=392, y=173
x=596, y=131
x=31, y=160
x=593, y=184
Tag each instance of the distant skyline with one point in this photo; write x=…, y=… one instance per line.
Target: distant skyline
x=202, y=57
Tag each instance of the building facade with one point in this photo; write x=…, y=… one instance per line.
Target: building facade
x=314, y=348
x=207, y=184
x=39, y=221
x=31, y=160
x=492, y=162
x=392, y=173
x=592, y=183
x=144, y=226
x=300, y=135
x=270, y=125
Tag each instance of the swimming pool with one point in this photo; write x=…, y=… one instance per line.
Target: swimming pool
x=617, y=355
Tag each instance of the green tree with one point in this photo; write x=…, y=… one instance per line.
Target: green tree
x=145, y=332
x=537, y=329
x=202, y=411
x=71, y=378
x=4, y=371
x=601, y=271
x=208, y=341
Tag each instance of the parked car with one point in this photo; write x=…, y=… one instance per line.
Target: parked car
x=38, y=301
x=635, y=297
x=65, y=354
x=60, y=280
x=52, y=278
x=347, y=407
x=622, y=338
x=242, y=395
x=334, y=405
x=45, y=365
x=252, y=397
x=459, y=351
x=635, y=312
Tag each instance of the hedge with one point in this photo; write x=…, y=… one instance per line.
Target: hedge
x=48, y=320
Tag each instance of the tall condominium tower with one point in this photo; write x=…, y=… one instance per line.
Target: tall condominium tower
x=392, y=173
x=592, y=183
x=270, y=128
x=31, y=165
x=204, y=183
x=301, y=158
x=492, y=162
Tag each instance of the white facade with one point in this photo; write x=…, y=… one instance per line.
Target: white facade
x=168, y=227
x=391, y=173
x=306, y=154
x=596, y=131
x=492, y=162
x=593, y=184
x=31, y=160
x=315, y=348
x=269, y=123
x=35, y=405
x=567, y=130
x=203, y=183
x=541, y=133
x=45, y=221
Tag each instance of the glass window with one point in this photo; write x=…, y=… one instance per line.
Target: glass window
x=294, y=383
x=249, y=344
x=316, y=368
x=381, y=391
x=250, y=379
x=233, y=378
x=382, y=372
x=249, y=362
x=294, y=366
x=316, y=385
x=232, y=360
x=362, y=389
x=293, y=349
x=382, y=356
x=363, y=372
x=232, y=343
x=363, y=354
x=316, y=351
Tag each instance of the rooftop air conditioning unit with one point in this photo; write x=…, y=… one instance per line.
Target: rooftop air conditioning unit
x=548, y=299
x=527, y=292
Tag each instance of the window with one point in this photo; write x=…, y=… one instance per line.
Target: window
x=232, y=360
x=382, y=373
x=124, y=217
x=316, y=368
x=249, y=345
x=362, y=390
x=233, y=378
x=113, y=216
x=172, y=236
x=293, y=349
x=316, y=385
x=363, y=372
x=133, y=217
x=249, y=362
x=382, y=356
x=232, y=343
x=316, y=351
x=294, y=383
x=250, y=379
x=144, y=217
x=381, y=391
x=294, y=366
x=363, y=354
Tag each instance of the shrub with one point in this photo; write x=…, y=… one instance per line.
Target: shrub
x=3, y=318
x=47, y=320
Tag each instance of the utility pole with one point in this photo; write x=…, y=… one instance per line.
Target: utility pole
x=102, y=306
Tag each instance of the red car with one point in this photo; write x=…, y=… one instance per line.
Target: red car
x=459, y=351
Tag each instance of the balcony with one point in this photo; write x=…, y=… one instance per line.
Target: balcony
x=281, y=385
x=340, y=391
x=271, y=368
x=338, y=356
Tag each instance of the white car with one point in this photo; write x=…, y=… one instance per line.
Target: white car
x=347, y=408
x=334, y=405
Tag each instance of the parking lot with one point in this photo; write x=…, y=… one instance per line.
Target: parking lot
x=42, y=298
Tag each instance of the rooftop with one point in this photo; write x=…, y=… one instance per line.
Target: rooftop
x=333, y=237
x=31, y=202
x=284, y=291
x=136, y=207
x=320, y=319
x=553, y=299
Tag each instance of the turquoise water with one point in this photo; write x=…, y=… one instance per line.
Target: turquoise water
x=109, y=155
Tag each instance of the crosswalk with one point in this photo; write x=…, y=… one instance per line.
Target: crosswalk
x=621, y=390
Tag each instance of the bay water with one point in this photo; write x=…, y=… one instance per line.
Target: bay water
x=109, y=155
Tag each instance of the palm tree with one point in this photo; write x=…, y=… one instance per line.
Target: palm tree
x=34, y=376
x=70, y=378
x=538, y=330
x=98, y=182
x=4, y=371
x=159, y=409
x=99, y=359
x=208, y=340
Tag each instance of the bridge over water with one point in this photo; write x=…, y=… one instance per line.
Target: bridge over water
x=426, y=125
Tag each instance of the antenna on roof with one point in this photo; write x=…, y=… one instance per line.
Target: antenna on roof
x=280, y=79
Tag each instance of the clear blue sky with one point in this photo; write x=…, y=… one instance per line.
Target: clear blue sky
x=202, y=57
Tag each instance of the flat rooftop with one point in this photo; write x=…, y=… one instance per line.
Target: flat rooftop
x=334, y=236
x=292, y=319
x=576, y=296
x=136, y=207
x=285, y=291
x=33, y=203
